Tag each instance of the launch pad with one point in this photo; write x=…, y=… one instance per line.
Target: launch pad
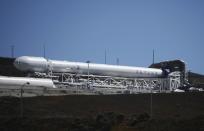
x=133, y=85
x=88, y=78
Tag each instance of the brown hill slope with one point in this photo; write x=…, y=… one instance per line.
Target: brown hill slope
x=196, y=79
x=176, y=111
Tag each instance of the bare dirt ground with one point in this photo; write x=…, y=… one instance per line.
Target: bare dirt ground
x=175, y=111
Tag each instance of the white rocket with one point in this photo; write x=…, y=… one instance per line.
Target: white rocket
x=40, y=64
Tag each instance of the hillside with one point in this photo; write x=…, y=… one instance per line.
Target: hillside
x=176, y=111
x=197, y=80
x=7, y=68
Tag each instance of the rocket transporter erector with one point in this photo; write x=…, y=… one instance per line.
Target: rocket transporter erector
x=40, y=64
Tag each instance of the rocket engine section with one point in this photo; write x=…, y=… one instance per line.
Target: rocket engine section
x=40, y=64
x=20, y=81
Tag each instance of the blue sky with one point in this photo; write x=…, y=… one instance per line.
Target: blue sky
x=81, y=30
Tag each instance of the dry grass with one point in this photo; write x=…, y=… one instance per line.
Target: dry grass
x=177, y=111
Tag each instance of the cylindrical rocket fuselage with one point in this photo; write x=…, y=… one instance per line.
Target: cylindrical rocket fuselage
x=40, y=64
x=21, y=81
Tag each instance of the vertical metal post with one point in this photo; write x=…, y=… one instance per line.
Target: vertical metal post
x=22, y=101
x=153, y=57
x=151, y=104
x=44, y=51
x=88, y=74
x=27, y=83
x=12, y=51
x=105, y=56
x=117, y=61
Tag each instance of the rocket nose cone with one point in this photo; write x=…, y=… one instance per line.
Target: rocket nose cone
x=31, y=64
x=17, y=63
x=20, y=63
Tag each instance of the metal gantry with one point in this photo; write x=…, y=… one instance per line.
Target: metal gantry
x=134, y=85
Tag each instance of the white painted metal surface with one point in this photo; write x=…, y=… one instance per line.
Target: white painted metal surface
x=40, y=64
x=29, y=82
